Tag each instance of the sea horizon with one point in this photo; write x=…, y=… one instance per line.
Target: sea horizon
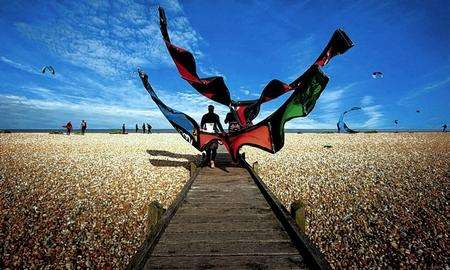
x=108, y=130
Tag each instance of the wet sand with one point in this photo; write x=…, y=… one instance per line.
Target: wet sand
x=81, y=201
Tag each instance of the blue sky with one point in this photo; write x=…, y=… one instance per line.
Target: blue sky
x=95, y=47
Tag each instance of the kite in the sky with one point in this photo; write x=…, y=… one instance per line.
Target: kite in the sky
x=267, y=134
x=417, y=111
x=342, y=126
x=377, y=75
x=49, y=69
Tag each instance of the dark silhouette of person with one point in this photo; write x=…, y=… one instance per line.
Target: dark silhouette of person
x=123, y=129
x=143, y=128
x=83, y=127
x=232, y=121
x=68, y=127
x=444, y=128
x=211, y=118
x=149, y=128
x=137, y=128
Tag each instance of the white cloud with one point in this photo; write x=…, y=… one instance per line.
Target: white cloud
x=366, y=101
x=421, y=91
x=20, y=66
x=110, y=38
x=375, y=116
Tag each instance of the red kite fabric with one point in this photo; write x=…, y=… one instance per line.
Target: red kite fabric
x=215, y=89
x=267, y=134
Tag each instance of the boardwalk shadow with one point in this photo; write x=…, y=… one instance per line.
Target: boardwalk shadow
x=159, y=162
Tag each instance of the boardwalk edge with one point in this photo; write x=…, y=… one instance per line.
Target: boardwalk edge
x=311, y=254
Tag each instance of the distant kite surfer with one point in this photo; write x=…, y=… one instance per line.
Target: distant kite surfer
x=444, y=128
x=123, y=129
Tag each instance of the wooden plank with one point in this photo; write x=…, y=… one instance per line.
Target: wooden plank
x=241, y=248
x=228, y=211
x=224, y=205
x=227, y=262
x=224, y=226
x=220, y=217
x=225, y=236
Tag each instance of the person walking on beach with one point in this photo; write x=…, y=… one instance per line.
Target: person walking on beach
x=149, y=128
x=68, y=127
x=143, y=128
x=123, y=129
x=444, y=128
x=211, y=118
x=83, y=127
x=137, y=128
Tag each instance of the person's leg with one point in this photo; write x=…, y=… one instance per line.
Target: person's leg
x=214, y=153
x=208, y=155
x=213, y=147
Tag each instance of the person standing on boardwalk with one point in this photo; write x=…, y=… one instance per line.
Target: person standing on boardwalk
x=149, y=128
x=143, y=128
x=137, y=128
x=68, y=127
x=233, y=123
x=83, y=127
x=211, y=118
x=123, y=129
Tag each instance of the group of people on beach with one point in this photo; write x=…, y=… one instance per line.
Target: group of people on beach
x=69, y=127
x=146, y=127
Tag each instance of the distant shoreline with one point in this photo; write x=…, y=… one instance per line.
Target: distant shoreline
x=131, y=131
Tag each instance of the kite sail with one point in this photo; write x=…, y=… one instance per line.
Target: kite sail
x=377, y=75
x=342, y=126
x=215, y=89
x=267, y=134
x=49, y=69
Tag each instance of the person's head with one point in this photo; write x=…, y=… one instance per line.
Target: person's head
x=210, y=108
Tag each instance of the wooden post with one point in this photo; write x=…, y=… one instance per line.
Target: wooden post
x=256, y=167
x=298, y=209
x=154, y=213
x=193, y=168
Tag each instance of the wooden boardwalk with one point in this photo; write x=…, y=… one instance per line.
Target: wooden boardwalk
x=222, y=221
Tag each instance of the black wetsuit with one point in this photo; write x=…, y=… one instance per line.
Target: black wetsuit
x=233, y=123
x=213, y=118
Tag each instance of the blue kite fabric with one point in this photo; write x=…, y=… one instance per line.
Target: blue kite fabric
x=267, y=134
x=342, y=126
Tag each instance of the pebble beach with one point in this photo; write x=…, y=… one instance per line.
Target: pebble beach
x=372, y=200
